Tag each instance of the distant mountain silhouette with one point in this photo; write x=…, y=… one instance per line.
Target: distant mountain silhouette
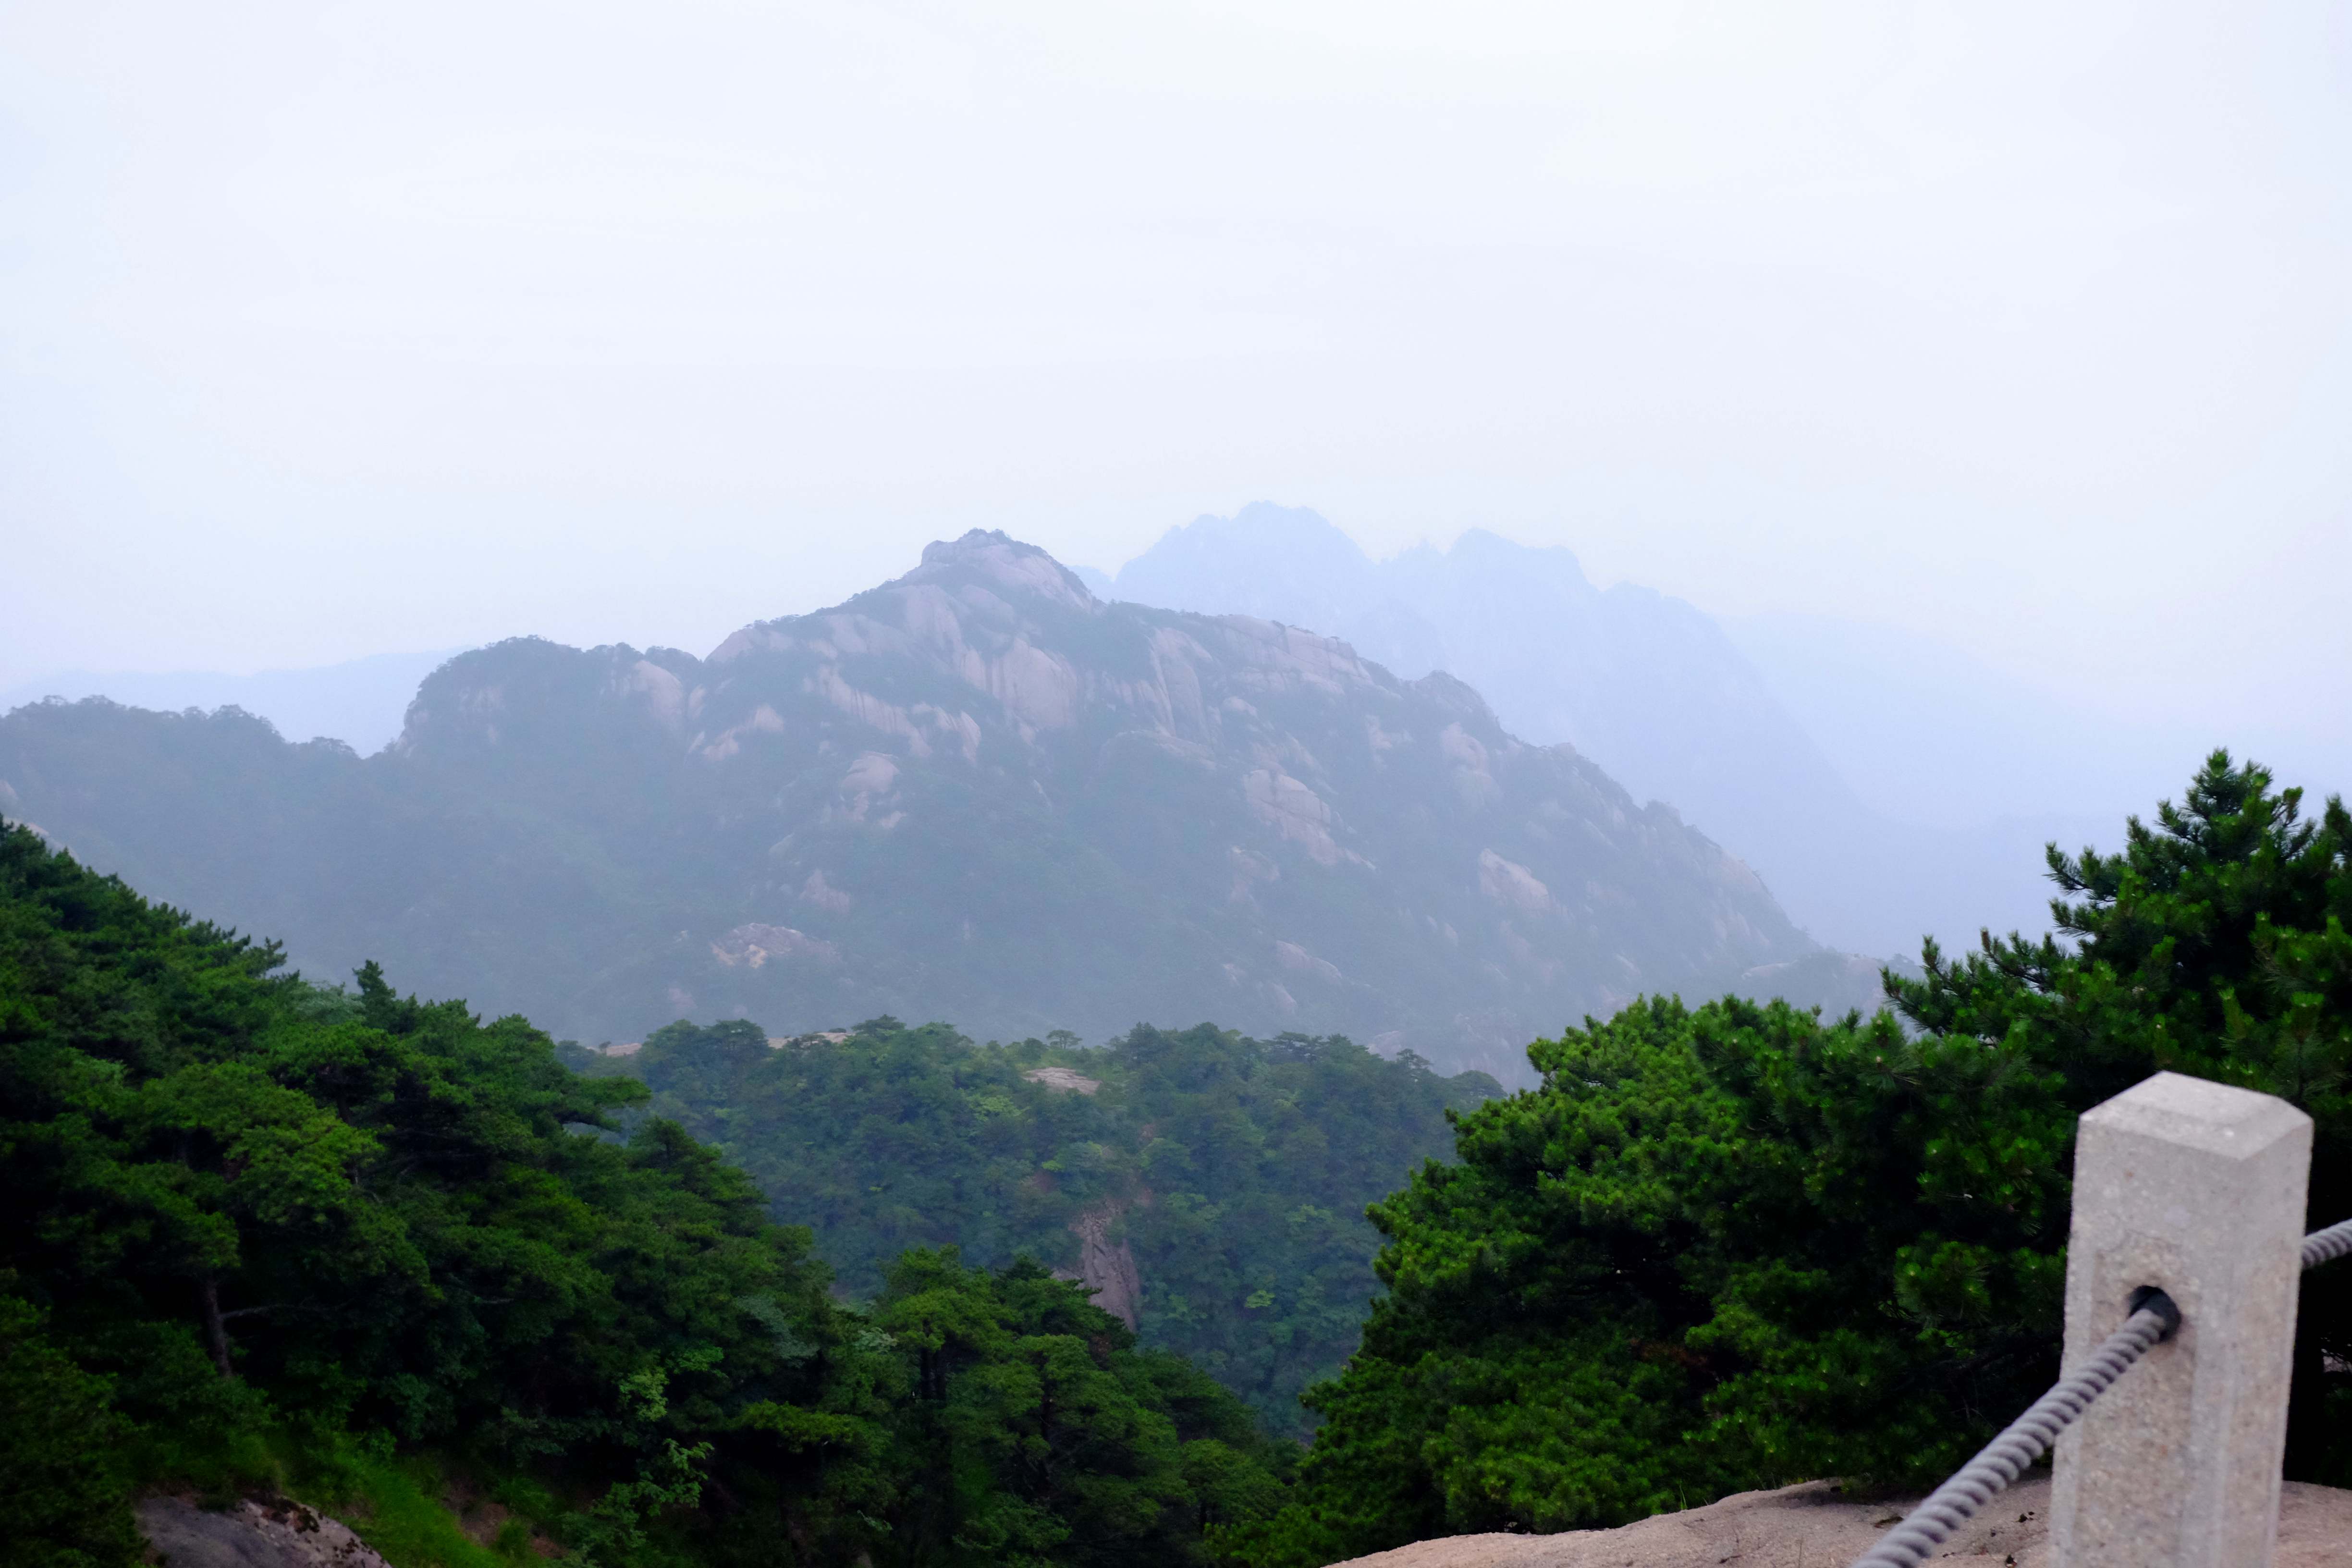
x=978, y=793
x=1664, y=700
x=358, y=701
x=1643, y=684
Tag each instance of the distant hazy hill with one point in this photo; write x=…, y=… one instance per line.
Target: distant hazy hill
x=1645, y=685
x=1669, y=703
x=359, y=703
x=1926, y=732
x=975, y=794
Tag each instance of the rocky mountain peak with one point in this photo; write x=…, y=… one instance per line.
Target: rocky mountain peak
x=973, y=793
x=992, y=557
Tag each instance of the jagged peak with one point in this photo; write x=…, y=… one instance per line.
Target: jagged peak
x=1005, y=562
x=1006, y=566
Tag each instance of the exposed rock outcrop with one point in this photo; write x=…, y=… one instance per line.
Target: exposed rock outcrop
x=1816, y=1525
x=276, y=1534
x=975, y=794
x=1069, y=1080
x=1108, y=1267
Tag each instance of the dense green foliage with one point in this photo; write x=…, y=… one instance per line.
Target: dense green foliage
x=250, y=1216
x=264, y=1232
x=1740, y=1246
x=1040, y=1436
x=1235, y=1170
x=61, y=1473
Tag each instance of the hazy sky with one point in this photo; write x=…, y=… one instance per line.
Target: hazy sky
x=328, y=330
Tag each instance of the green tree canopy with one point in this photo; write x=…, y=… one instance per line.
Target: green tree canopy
x=1236, y=1170
x=1736, y=1246
x=1044, y=1436
x=249, y=1213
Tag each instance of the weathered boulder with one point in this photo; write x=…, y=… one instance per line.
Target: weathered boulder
x=276, y=1534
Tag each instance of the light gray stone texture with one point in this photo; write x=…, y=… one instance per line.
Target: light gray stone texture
x=256, y=1533
x=2196, y=1188
x=1821, y=1525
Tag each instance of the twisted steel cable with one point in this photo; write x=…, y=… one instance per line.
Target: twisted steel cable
x=2029, y=1436
x=2327, y=1246
x=2025, y=1440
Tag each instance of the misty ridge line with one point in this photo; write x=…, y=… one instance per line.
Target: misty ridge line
x=1792, y=652
x=1821, y=752
x=976, y=793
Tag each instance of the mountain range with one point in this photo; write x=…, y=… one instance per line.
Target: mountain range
x=978, y=793
x=1717, y=718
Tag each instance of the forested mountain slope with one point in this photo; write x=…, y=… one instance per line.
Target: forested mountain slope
x=1210, y=1187
x=266, y=1235
x=976, y=793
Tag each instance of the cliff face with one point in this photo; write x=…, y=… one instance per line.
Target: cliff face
x=1106, y=1266
x=976, y=793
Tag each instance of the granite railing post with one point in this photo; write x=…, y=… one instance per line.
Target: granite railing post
x=2196, y=1189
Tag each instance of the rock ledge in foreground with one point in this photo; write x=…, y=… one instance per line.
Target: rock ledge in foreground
x=274, y=1534
x=1817, y=1526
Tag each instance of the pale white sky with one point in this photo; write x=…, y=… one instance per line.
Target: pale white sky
x=328, y=330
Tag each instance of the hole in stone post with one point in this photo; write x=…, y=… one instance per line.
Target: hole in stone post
x=2150, y=1299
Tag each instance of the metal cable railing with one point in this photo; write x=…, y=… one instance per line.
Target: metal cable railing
x=2327, y=1246
x=2154, y=1319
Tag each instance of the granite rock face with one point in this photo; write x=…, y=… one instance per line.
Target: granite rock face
x=1762, y=753
x=1817, y=1526
x=977, y=792
x=276, y=1533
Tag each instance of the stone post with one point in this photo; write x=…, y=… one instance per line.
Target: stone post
x=2197, y=1189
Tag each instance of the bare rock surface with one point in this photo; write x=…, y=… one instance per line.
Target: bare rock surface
x=276, y=1533
x=1142, y=814
x=1816, y=1525
x=1064, y=1079
x=1108, y=1267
